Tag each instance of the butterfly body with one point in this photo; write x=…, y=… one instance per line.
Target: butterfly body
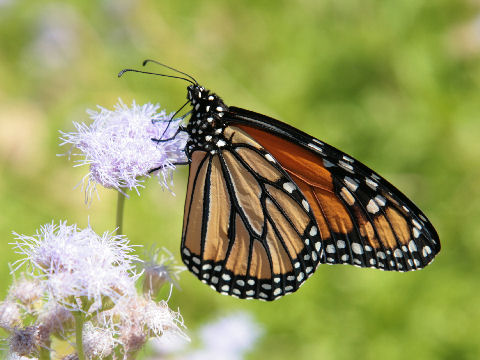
x=267, y=203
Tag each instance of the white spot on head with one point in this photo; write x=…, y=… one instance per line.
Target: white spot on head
x=207, y=109
x=357, y=248
x=219, y=108
x=313, y=231
x=350, y=183
x=372, y=207
x=208, y=137
x=289, y=187
x=218, y=131
x=210, y=98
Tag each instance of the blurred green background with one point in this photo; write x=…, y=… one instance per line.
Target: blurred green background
x=393, y=83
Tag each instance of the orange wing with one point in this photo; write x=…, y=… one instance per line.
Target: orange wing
x=248, y=231
x=363, y=220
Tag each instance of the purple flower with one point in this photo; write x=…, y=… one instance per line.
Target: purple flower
x=160, y=268
x=77, y=265
x=118, y=146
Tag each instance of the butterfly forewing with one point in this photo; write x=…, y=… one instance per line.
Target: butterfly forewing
x=362, y=219
x=248, y=230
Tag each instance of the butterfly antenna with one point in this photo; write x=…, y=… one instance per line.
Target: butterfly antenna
x=145, y=62
x=152, y=73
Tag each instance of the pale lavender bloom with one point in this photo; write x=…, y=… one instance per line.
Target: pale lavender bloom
x=9, y=315
x=142, y=318
x=160, y=268
x=77, y=263
x=27, y=291
x=99, y=342
x=118, y=146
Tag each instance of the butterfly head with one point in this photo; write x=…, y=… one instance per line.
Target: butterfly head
x=206, y=124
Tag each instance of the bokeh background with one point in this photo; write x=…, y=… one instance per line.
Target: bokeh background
x=393, y=83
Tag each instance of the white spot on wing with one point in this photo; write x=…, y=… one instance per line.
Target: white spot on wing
x=289, y=187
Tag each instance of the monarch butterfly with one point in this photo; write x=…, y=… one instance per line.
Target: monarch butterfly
x=266, y=204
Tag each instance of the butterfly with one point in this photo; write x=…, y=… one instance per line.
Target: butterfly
x=266, y=204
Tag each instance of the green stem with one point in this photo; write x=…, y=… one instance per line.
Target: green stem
x=44, y=354
x=79, y=334
x=120, y=207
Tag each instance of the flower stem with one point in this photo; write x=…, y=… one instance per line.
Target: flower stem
x=79, y=334
x=120, y=207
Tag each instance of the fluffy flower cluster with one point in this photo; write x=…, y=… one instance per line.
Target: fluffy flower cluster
x=77, y=274
x=119, y=148
x=77, y=265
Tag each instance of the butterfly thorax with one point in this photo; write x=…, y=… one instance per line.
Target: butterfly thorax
x=206, y=126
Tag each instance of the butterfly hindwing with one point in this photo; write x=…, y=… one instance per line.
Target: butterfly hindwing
x=362, y=218
x=248, y=229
